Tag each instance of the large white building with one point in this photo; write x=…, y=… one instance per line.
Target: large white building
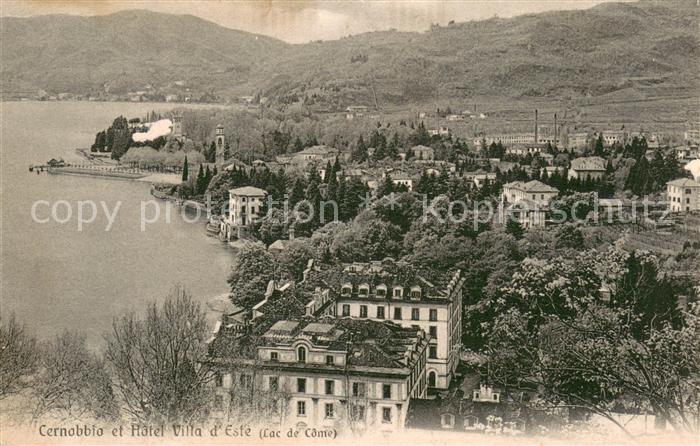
x=244, y=206
x=683, y=195
x=321, y=373
x=391, y=290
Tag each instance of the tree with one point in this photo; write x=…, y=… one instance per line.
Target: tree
x=18, y=357
x=552, y=329
x=294, y=258
x=298, y=192
x=599, y=149
x=185, y=170
x=200, y=182
x=386, y=187
x=569, y=236
x=252, y=270
x=155, y=360
x=72, y=383
x=514, y=228
x=359, y=154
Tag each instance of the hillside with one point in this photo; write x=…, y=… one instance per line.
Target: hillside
x=645, y=45
x=126, y=51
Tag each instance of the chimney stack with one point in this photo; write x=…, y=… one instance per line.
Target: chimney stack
x=536, y=138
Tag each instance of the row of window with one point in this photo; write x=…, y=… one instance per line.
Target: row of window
x=357, y=411
x=301, y=356
x=359, y=389
x=678, y=200
x=415, y=313
x=381, y=291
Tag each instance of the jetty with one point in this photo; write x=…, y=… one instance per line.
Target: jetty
x=106, y=171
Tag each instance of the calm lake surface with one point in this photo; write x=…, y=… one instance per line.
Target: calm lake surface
x=55, y=277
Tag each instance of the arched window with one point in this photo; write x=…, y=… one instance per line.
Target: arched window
x=381, y=291
x=301, y=354
x=432, y=378
x=346, y=290
x=363, y=290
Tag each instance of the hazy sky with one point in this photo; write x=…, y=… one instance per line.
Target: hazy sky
x=305, y=20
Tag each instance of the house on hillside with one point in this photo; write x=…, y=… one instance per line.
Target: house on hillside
x=588, y=167
x=528, y=202
x=356, y=111
x=243, y=210
x=683, y=195
x=423, y=153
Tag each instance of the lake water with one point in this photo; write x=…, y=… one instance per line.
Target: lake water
x=55, y=277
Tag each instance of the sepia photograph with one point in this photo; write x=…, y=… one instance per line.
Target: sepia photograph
x=319, y=222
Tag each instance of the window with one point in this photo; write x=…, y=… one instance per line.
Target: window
x=346, y=290
x=476, y=395
x=432, y=352
x=432, y=314
x=246, y=381
x=363, y=311
x=470, y=421
x=380, y=312
x=301, y=408
x=381, y=291
x=386, y=391
x=274, y=356
x=330, y=359
x=398, y=292
x=386, y=414
x=219, y=379
x=397, y=314
x=415, y=293
x=447, y=421
x=415, y=314
x=688, y=191
x=346, y=310
x=496, y=397
x=330, y=387
x=432, y=330
x=357, y=412
x=301, y=385
x=329, y=410
x=363, y=291
x=359, y=389
x=301, y=354
x=432, y=378
x=274, y=383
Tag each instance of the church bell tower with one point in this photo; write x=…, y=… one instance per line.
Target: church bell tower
x=220, y=145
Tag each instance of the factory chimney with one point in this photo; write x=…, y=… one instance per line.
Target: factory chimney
x=536, y=138
x=555, y=129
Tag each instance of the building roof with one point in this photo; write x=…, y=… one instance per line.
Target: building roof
x=683, y=182
x=378, y=346
x=531, y=186
x=588, y=163
x=435, y=289
x=422, y=148
x=248, y=191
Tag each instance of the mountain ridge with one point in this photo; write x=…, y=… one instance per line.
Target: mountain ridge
x=609, y=47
